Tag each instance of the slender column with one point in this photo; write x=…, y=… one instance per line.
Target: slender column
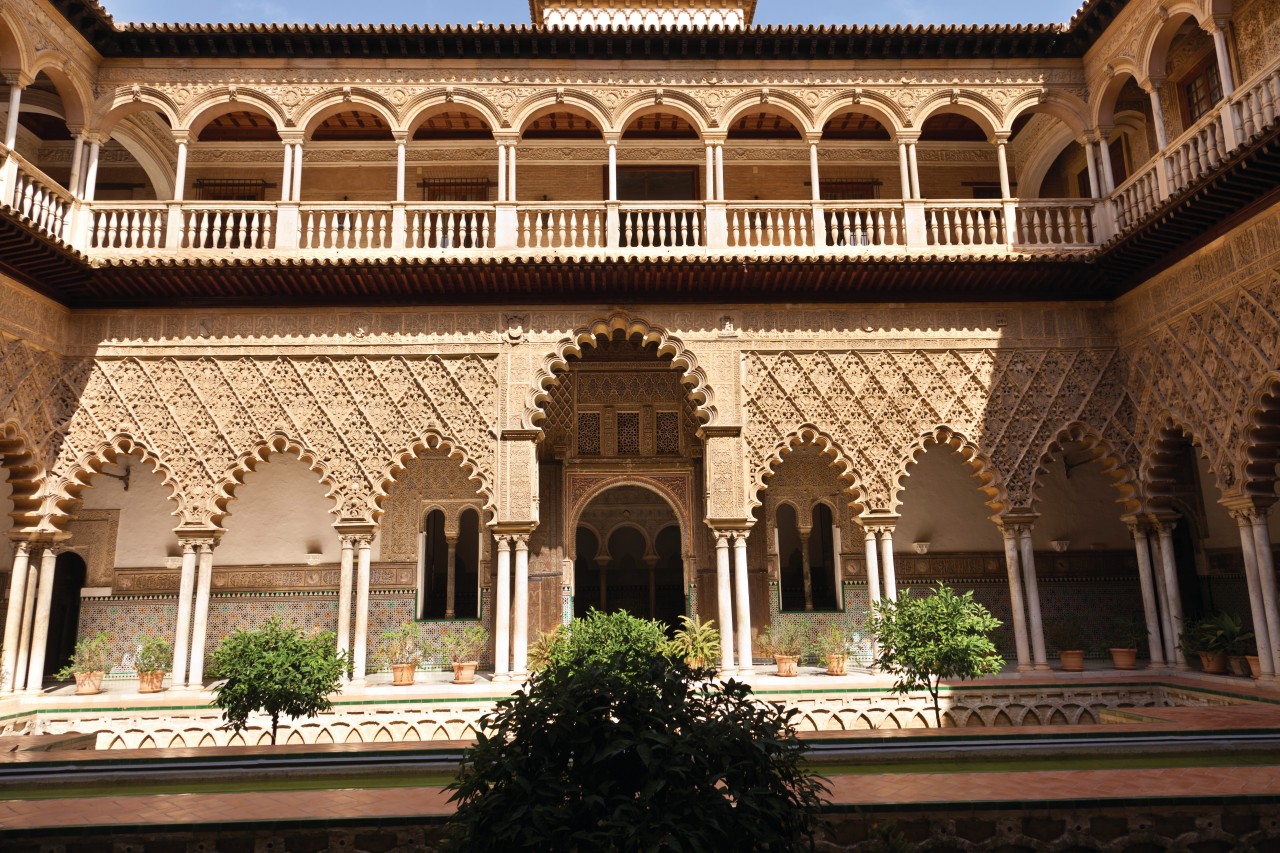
x=1165, y=532
x=886, y=562
x=180, y=173
x=742, y=600
x=873, y=565
x=502, y=171
x=1150, y=612
x=400, y=155
x=450, y=576
x=1092, y=166
x=40, y=628
x=1162, y=597
x=602, y=564
x=1015, y=597
x=915, y=171
x=651, y=563
x=1267, y=582
x=1266, y=659
x=1219, y=33
x=1104, y=155
x=1035, y=626
x=511, y=179
x=904, y=170
x=346, y=571
x=720, y=171
x=24, y=632
x=813, y=171
x=297, y=171
x=11, y=122
x=200, y=625
x=1002, y=161
x=724, y=600
x=711, y=172
x=520, y=619
x=91, y=173
x=807, y=568
x=1157, y=114
x=286, y=178
x=182, y=630
x=77, y=165
x=13, y=616
x=613, y=170
x=360, y=646
x=502, y=612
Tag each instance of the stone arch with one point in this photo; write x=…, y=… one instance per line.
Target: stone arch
x=150, y=159
x=780, y=103
x=1032, y=174
x=224, y=100
x=657, y=485
x=1102, y=111
x=1114, y=467
x=1154, y=51
x=969, y=104
x=1261, y=451
x=883, y=109
x=430, y=442
x=26, y=473
x=568, y=100
x=128, y=101
x=810, y=434
x=692, y=375
x=628, y=525
x=75, y=93
x=247, y=463
x=418, y=109
x=675, y=103
x=15, y=58
x=1063, y=106
x=316, y=110
x=62, y=491
x=1159, y=457
x=990, y=483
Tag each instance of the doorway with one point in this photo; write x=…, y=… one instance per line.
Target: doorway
x=64, y=611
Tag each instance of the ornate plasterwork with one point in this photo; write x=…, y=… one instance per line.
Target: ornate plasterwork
x=141, y=581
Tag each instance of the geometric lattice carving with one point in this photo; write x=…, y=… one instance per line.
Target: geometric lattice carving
x=588, y=433
x=628, y=433
x=667, y=428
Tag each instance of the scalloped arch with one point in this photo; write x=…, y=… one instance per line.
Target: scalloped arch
x=64, y=489
x=1158, y=459
x=692, y=375
x=990, y=483
x=828, y=446
x=432, y=442
x=276, y=442
x=780, y=103
x=1123, y=478
x=26, y=473
x=884, y=110
x=1261, y=450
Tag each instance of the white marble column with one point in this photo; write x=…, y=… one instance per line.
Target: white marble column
x=24, y=632
x=719, y=171
x=511, y=167
x=40, y=626
x=1018, y=605
x=1035, y=626
x=814, y=183
x=873, y=565
x=1150, y=610
x=450, y=576
x=1267, y=581
x=11, y=121
x=401, y=144
x=13, y=617
x=91, y=172
x=346, y=574
x=77, y=164
x=1165, y=531
x=286, y=177
x=182, y=627
x=742, y=602
x=180, y=172
x=806, y=567
x=520, y=618
x=1219, y=33
x=297, y=171
x=916, y=190
x=1266, y=659
x=1091, y=165
x=613, y=169
x=1002, y=163
x=711, y=172
x=200, y=623
x=360, y=645
x=724, y=600
x=1157, y=114
x=886, y=562
x=904, y=170
x=1104, y=156
x=1162, y=598
x=502, y=171
x=502, y=612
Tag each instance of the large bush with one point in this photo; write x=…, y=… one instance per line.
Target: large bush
x=632, y=751
x=618, y=640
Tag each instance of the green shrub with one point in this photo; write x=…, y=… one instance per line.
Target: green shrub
x=617, y=640
x=90, y=655
x=696, y=643
x=402, y=644
x=153, y=654
x=788, y=638
x=464, y=645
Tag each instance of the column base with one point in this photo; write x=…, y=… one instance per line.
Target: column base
x=502, y=676
x=1043, y=667
x=1025, y=667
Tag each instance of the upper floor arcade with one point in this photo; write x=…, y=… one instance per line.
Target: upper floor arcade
x=148, y=143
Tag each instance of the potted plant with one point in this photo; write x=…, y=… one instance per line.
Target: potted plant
x=151, y=661
x=785, y=641
x=402, y=647
x=1065, y=636
x=540, y=649
x=464, y=647
x=88, y=664
x=696, y=643
x=1225, y=634
x=1127, y=633
x=1191, y=643
x=832, y=647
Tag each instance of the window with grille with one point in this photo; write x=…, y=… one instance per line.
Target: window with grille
x=667, y=427
x=231, y=189
x=455, y=189
x=588, y=433
x=1201, y=91
x=628, y=433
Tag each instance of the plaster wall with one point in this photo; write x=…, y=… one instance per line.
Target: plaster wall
x=1221, y=530
x=145, y=535
x=279, y=516
x=1080, y=507
x=941, y=505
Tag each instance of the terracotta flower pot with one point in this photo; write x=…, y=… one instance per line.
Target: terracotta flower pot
x=465, y=673
x=837, y=664
x=1237, y=664
x=402, y=674
x=1255, y=668
x=786, y=665
x=1072, y=660
x=88, y=683
x=1124, y=658
x=151, y=682
x=1214, y=663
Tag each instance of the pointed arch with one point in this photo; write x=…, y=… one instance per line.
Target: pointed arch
x=248, y=462
x=63, y=490
x=430, y=442
x=990, y=483
x=810, y=434
x=1114, y=467
x=692, y=376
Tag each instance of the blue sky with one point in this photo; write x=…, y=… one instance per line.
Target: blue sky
x=517, y=11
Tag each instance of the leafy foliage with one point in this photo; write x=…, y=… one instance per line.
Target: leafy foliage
x=788, y=638
x=633, y=752
x=463, y=645
x=924, y=640
x=696, y=643
x=276, y=669
x=603, y=640
x=402, y=644
x=90, y=655
x=153, y=654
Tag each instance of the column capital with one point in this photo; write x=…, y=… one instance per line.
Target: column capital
x=509, y=137
x=199, y=536
x=813, y=137
x=715, y=137
x=1000, y=137
x=1153, y=84
x=17, y=79
x=181, y=137
x=292, y=137
x=1215, y=24
x=1137, y=525
x=400, y=137
x=907, y=137
x=612, y=138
